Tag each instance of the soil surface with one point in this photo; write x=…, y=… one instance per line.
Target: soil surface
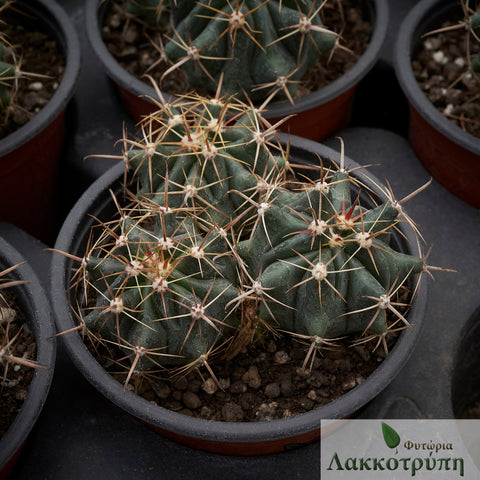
x=42, y=65
x=441, y=68
x=264, y=382
x=131, y=43
x=16, y=379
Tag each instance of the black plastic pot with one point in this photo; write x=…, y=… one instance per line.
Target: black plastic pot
x=29, y=156
x=36, y=309
x=450, y=154
x=230, y=438
x=317, y=116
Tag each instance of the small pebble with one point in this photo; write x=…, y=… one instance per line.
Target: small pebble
x=36, y=86
x=232, y=412
x=209, y=386
x=281, y=357
x=191, y=400
x=272, y=390
x=252, y=378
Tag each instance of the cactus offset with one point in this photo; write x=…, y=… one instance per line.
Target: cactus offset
x=219, y=245
x=258, y=47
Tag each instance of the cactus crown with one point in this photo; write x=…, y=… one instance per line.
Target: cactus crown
x=257, y=48
x=223, y=244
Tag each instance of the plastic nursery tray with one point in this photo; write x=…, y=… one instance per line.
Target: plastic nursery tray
x=80, y=435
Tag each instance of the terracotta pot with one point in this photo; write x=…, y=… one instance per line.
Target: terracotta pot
x=29, y=156
x=36, y=310
x=317, y=116
x=450, y=154
x=228, y=438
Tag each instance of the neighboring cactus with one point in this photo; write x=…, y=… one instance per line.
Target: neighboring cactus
x=8, y=71
x=222, y=244
x=8, y=340
x=7, y=77
x=153, y=12
x=257, y=47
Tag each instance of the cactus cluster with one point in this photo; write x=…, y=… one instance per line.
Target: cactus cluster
x=225, y=241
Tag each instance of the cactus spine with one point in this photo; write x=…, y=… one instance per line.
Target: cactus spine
x=221, y=244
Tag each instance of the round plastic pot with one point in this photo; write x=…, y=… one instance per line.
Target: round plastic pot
x=29, y=156
x=35, y=307
x=449, y=153
x=317, y=115
x=228, y=438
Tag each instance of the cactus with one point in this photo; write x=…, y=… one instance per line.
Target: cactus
x=9, y=332
x=10, y=71
x=258, y=47
x=221, y=245
x=7, y=70
x=153, y=12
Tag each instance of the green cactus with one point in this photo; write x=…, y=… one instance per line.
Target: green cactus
x=8, y=70
x=251, y=47
x=7, y=76
x=222, y=245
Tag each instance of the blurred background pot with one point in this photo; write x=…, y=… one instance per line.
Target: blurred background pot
x=29, y=156
x=33, y=302
x=449, y=153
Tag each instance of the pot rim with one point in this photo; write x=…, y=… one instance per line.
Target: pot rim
x=60, y=25
x=36, y=309
x=279, y=109
x=208, y=429
x=417, y=22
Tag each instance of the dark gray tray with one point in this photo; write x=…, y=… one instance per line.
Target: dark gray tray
x=80, y=435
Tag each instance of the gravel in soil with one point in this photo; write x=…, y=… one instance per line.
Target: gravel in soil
x=130, y=43
x=441, y=68
x=42, y=64
x=264, y=382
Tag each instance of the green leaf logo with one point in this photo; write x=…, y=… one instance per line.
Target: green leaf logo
x=391, y=437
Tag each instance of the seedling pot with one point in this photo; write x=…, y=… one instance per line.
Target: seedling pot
x=29, y=156
x=317, y=115
x=33, y=302
x=450, y=154
x=254, y=438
